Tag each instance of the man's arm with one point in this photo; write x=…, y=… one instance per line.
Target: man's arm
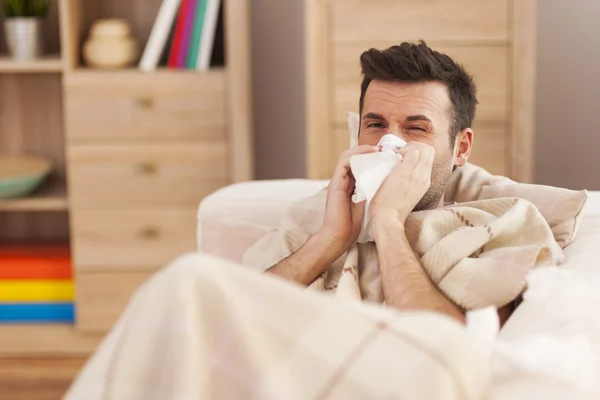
x=310, y=261
x=406, y=285
x=341, y=227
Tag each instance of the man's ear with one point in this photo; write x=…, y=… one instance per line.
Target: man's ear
x=462, y=147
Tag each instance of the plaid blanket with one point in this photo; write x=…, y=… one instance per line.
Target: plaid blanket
x=477, y=253
x=204, y=328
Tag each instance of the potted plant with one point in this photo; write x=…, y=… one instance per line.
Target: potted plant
x=23, y=27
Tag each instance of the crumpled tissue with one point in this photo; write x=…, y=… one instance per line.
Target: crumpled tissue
x=370, y=170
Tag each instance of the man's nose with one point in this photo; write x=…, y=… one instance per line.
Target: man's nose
x=396, y=130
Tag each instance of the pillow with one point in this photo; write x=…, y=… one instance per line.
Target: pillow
x=562, y=208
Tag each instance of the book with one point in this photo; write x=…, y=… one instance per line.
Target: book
x=37, y=313
x=159, y=35
x=35, y=267
x=188, y=29
x=211, y=19
x=178, y=35
x=192, y=57
x=19, y=291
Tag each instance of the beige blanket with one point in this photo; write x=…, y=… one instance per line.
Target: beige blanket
x=204, y=328
x=477, y=253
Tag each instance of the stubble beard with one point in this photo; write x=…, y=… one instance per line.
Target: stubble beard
x=440, y=174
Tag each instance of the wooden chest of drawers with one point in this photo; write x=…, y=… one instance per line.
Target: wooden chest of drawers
x=142, y=150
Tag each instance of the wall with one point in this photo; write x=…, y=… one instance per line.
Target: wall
x=278, y=79
x=568, y=89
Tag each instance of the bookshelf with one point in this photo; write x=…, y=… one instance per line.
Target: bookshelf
x=133, y=153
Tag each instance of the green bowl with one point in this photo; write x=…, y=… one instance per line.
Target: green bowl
x=19, y=187
x=20, y=176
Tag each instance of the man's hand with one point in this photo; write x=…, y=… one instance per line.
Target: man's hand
x=406, y=285
x=341, y=227
x=406, y=184
x=343, y=218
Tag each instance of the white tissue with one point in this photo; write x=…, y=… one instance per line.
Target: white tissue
x=370, y=170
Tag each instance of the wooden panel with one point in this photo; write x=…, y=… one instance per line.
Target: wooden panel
x=131, y=239
x=239, y=89
x=70, y=31
x=46, y=340
x=490, y=148
x=318, y=82
x=524, y=28
x=37, y=378
x=39, y=226
x=31, y=117
x=488, y=65
x=128, y=104
x=128, y=175
x=102, y=297
x=410, y=20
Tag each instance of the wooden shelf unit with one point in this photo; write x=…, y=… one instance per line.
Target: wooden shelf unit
x=134, y=154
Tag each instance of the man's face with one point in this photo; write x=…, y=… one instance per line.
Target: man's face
x=414, y=112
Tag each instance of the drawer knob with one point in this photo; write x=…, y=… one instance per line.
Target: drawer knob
x=148, y=168
x=150, y=232
x=146, y=102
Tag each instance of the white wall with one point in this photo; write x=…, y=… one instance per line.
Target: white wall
x=278, y=79
x=568, y=94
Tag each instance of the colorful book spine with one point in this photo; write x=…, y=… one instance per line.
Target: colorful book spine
x=192, y=57
x=178, y=36
x=209, y=28
x=187, y=34
x=34, y=290
x=52, y=268
x=37, y=313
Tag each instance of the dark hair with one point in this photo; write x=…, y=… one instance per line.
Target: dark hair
x=417, y=62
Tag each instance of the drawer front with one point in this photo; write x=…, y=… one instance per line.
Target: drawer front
x=102, y=297
x=164, y=105
x=131, y=239
x=131, y=175
x=488, y=65
x=411, y=20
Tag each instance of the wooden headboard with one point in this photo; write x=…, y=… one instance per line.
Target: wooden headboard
x=494, y=39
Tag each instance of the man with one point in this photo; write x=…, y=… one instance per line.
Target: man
x=428, y=100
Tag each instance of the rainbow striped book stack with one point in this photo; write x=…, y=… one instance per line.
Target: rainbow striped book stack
x=192, y=26
x=36, y=285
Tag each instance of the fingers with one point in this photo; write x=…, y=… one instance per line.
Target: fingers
x=344, y=160
x=417, y=154
x=342, y=178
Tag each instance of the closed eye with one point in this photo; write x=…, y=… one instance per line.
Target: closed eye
x=375, y=125
x=418, y=128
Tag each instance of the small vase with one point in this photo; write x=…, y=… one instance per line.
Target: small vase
x=24, y=38
x=110, y=45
